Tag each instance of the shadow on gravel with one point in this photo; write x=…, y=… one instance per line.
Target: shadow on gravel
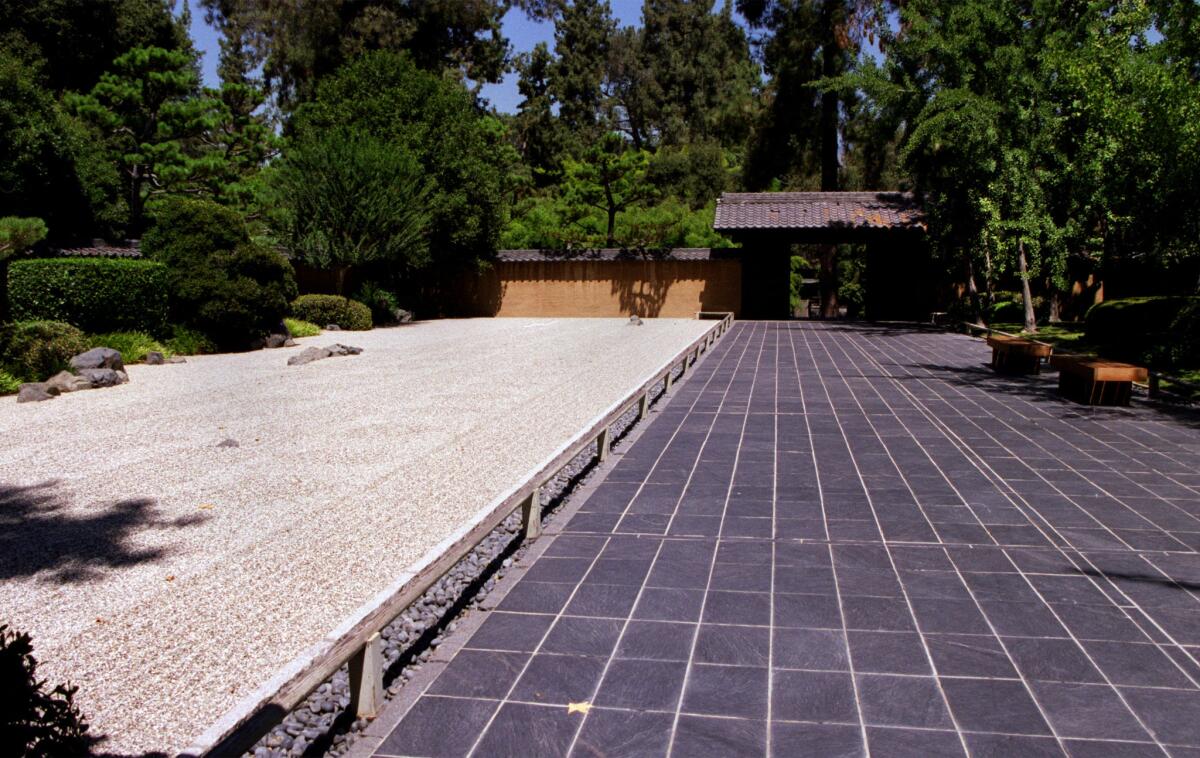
x=38, y=534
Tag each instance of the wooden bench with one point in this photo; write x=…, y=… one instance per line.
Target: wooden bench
x=1015, y=355
x=1094, y=381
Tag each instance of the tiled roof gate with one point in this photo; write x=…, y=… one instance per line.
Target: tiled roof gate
x=818, y=210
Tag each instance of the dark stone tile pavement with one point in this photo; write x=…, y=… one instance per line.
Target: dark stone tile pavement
x=843, y=540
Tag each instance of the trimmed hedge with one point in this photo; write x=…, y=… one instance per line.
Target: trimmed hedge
x=332, y=309
x=1136, y=329
x=94, y=294
x=32, y=351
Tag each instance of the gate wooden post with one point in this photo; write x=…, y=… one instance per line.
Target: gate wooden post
x=366, y=678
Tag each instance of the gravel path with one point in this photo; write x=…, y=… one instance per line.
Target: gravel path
x=169, y=577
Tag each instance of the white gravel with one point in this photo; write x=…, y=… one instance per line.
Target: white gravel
x=169, y=577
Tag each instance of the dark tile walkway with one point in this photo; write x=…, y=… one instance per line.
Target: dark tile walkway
x=840, y=539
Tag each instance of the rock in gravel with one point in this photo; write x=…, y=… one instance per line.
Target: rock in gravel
x=332, y=328
x=35, y=392
x=155, y=358
x=228, y=442
x=277, y=340
x=402, y=316
x=98, y=357
x=104, y=377
x=65, y=381
x=177, y=359
x=635, y=320
x=308, y=355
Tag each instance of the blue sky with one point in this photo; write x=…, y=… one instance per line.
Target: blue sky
x=522, y=33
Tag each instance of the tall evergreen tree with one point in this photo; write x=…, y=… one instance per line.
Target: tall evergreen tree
x=583, y=30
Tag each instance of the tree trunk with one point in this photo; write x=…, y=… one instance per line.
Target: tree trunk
x=1026, y=292
x=340, y=279
x=973, y=295
x=828, y=285
x=612, y=226
x=828, y=254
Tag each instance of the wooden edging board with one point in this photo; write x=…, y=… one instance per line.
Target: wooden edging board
x=253, y=716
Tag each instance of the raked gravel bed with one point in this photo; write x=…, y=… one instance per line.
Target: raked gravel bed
x=169, y=577
x=322, y=726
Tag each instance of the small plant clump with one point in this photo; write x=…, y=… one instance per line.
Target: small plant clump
x=332, y=309
x=31, y=351
x=34, y=720
x=185, y=341
x=9, y=384
x=299, y=328
x=132, y=346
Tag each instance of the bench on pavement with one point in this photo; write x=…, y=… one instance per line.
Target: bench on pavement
x=1015, y=355
x=1095, y=381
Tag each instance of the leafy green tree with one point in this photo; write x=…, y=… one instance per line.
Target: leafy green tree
x=350, y=200
x=537, y=132
x=18, y=234
x=149, y=106
x=298, y=44
x=51, y=165
x=582, y=33
x=79, y=39
x=465, y=155
x=611, y=178
x=701, y=68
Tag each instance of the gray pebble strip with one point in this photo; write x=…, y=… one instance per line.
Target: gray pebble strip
x=322, y=726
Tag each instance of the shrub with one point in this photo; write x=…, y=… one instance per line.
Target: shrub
x=383, y=304
x=1184, y=348
x=8, y=383
x=220, y=283
x=34, y=721
x=186, y=341
x=34, y=350
x=1006, y=311
x=132, y=346
x=298, y=328
x=1136, y=328
x=332, y=309
x=94, y=294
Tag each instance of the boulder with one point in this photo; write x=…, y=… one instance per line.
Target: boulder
x=65, y=381
x=635, y=320
x=402, y=316
x=155, y=358
x=289, y=342
x=339, y=349
x=308, y=355
x=177, y=359
x=332, y=328
x=98, y=358
x=104, y=377
x=277, y=340
x=35, y=392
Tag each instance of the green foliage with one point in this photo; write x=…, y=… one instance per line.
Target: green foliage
x=94, y=294
x=52, y=166
x=1184, y=349
x=9, y=384
x=35, y=350
x=346, y=200
x=383, y=304
x=332, y=309
x=132, y=346
x=184, y=341
x=298, y=328
x=611, y=178
x=18, y=234
x=80, y=38
x=220, y=283
x=298, y=45
x=1138, y=329
x=385, y=97
x=149, y=106
x=34, y=720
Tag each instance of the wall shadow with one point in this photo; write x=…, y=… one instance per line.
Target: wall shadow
x=39, y=536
